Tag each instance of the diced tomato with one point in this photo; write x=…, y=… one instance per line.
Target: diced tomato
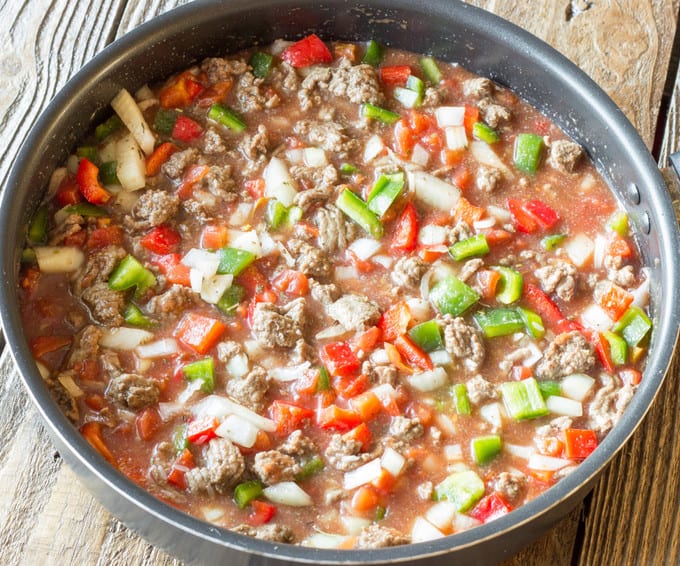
x=104, y=236
x=385, y=482
x=490, y=507
x=351, y=386
x=413, y=353
x=159, y=156
x=367, y=405
x=522, y=220
x=261, y=513
x=579, y=443
x=552, y=316
x=365, y=499
x=288, y=417
x=601, y=346
x=202, y=430
x=420, y=122
x=87, y=370
x=495, y=236
x=467, y=212
x=308, y=51
x=92, y=431
x=180, y=92
x=452, y=157
x=617, y=245
x=214, y=94
x=88, y=181
x=615, y=301
x=42, y=345
x=308, y=382
x=336, y=418
x=630, y=376
x=363, y=266
x=395, y=321
x=184, y=462
x=77, y=239
x=487, y=281
x=339, y=359
x=430, y=254
x=470, y=119
x=192, y=176
x=432, y=141
x=175, y=271
x=404, y=138
x=521, y=372
x=186, y=129
x=395, y=75
x=95, y=401
x=161, y=240
x=148, y=423
x=199, y=332
x=214, y=236
x=367, y=340
x=405, y=234
x=546, y=217
x=256, y=285
x=292, y=282
x=395, y=358
x=255, y=188
x=421, y=411
x=29, y=279
x=68, y=192
x=462, y=178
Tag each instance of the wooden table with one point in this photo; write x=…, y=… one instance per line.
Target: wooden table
x=46, y=517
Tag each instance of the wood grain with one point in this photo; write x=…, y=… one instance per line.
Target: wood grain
x=47, y=517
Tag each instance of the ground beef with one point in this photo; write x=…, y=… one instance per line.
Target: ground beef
x=250, y=390
x=67, y=403
x=202, y=205
x=133, y=391
x=326, y=135
x=283, y=77
x=564, y=155
x=105, y=305
x=223, y=467
x=464, y=342
x=316, y=81
x=213, y=142
x=568, y=353
x=408, y=271
x=346, y=454
x=228, y=349
x=403, y=431
x=255, y=147
x=274, y=326
x=378, y=374
x=250, y=96
x=308, y=197
x=461, y=231
x=325, y=294
x=162, y=459
x=72, y=224
x=173, y=301
x=221, y=70
x=219, y=183
x=509, y=484
x=618, y=273
x=310, y=260
x=479, y=87
x=480, y=390
x=85, y=345
x=98, y=267
x=558, y=277
x=176, y=164
x=375, y=536
x=298, y=446
x=609, y=403
x=335, y=231
x=494, y=114
x=271, y=532
x=354, y=312
x=487, y=178
x=469, y=268
x=152, y=209
x=273, y=467
x=434, y=96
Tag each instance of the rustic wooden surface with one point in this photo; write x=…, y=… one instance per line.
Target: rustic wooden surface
x=46, y=516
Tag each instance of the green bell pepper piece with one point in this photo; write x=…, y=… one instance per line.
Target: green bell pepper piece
x=105, y=129
x=618, y=222
x=203, y=371
x=510, y=285
x=86, y=209
x=533, y=323
x=618, y=348
x=276, y=214
x=134, y=316
x=358, y=211
x=633, y=326
x=234, y=260
x=485, y=448
x=324, y=383
x=499, y=322
x=523, y=399
x=308, y=469
x=164, y=121
x=549, y=387
x=374, y=112
x=373, y=54
x=179, y=438
x=231, y=299
x=461, y=401
x=89, y=152
x=348, y=169
x=130, y=273
x=549, y=243
x=385, y=191
x=528, y=152
x=107, y=173
x=227, y=117
x=431, y=70
x=485, y=133
x=474, y=246
x=37, y=231
x=427, y=335
x=261, y=63
x=463, y=489
x=452, y=296
x=245, y=492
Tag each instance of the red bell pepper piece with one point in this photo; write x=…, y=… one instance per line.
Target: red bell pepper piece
x=415, y=355
x=88, y=181
x=405, y=234
x=256, y=285
x=308, y=51
x=470, y=119
x=601, y=346
x=159, y=156
x=579, y=443
x=336, y=418
x=161, y=240
x=202, y=430
x=360, y=433
x=199, y=332
x=214, y=236
x=550, y=313
x=367, y=340
x=395, y=75
x=288, y=417
x=523, y=221
x=292, y=282
x=394, y=321
x=615, y=301
x=68, y=192
x=148, y=423
x=490, y=507
x=339, y=359
x=184, y=462
x=175, y=271
x=261, y=513
x=186, y=129
x=404, y=138
x=180, y=92
x=92, y=431
x=542, y=213
x=350, y=387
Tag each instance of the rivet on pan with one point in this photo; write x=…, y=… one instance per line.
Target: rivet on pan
x=645, y=223
x=634, y=193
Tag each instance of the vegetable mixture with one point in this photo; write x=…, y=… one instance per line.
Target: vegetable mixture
x=335, y=295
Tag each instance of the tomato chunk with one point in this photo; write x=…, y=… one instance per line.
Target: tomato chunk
x=339, y=358
x=405, y=234
x=161, y=240
x=199, y=332
x=288, y=417
x=308, y=51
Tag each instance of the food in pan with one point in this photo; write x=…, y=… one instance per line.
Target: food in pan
x=335, y=295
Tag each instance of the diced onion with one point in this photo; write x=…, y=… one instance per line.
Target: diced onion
x=420, y=156
x=433, y=191
x=450, y=116
x=483, y=153
x=189, y=391
x=463, y=522
x=444, y=422
x=333, y=332
x=346, y=272
x=595, y=317
x=294, y=155
x=491, y=413
x=385, y=261
x=501, y=214
x=220, y=407
x=420, y=310
x=563, y=406
x=214, y=287
x=641, y=293
x=212, y=514
x=379, y=357
x=143, y=93
x=579, y=248
x=484, y=223
x=202, y=260
x=58, y=175
x=354, y=525
x=42, y=369
x=392, y=461
x=456, y=138
x=440, y=357
x=58, y=259
x=364, y=248
x=195, y=280
x=432, y=235
x=107, y=152
x=278, y=183
x=158, y=349
x=385, y=392
x=67, y=381
x=314, y=157
x=237, y=366
x=290, y=373
x=599, y=251
x=169, y=410
x=246, y=240
x=374, y=147
x=535, y=355
x=287, y=493
x=124, y=338
x=128, y=111
x=577, y=386
x=441, y=515
x=547, y=463
x=131, y=165
x=524, y=452
x=453, y=452
x=363, y=474
x=429, y=380
x=238, y=430
x=324, y=540
x=241, y=215
x=423, y=531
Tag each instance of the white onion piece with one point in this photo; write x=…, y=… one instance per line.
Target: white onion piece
x=128, y=111
x=445, y=423
x=290, y=373
x=547, y=463
x=483, y=153
x=202, y=260
x=238, y=430
x=484, y=223
x=536, y=354
x=158, y=349
x=294, y=156
x=354, y=525
x=641, y=293
x=58, y=175
x=456, y=138
x=383, y=260
x=278, y=183
x=214, y=287
x=364, y=248
x=216, y=406
x=58, y=259
x=125, y=201
x=143, y=93
x=450, y=116
x=385, y=392
x=189, y=391
x=524, y=452
x=345, y=272
x=131, y=165
x=124, y=338
x=432, y=235
x=595, y=317
x=238, y=365
x=248, y=241
x=363, y=474
x=374, y=147
x=559, y=405
x=429, y=380
x=241, y=215
x=501, y=214
x=577, y=386
x=67, y=381
x=287, y=493
x=169, y=410
x=324, y=540
x=440, y=358
x=453, y=452
x=212, y=514
x=580, y=249
x=491, y=413
x=392, y=461
x=599, y=251
x=333, y=332
x=314, y=157
x=441, y=515
x=379, y=357
x=423, y=531
x=462, y=522
x=195, y=280
x=42, y=369
x=421, y=311
x=420, y=156
x=433, y=191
